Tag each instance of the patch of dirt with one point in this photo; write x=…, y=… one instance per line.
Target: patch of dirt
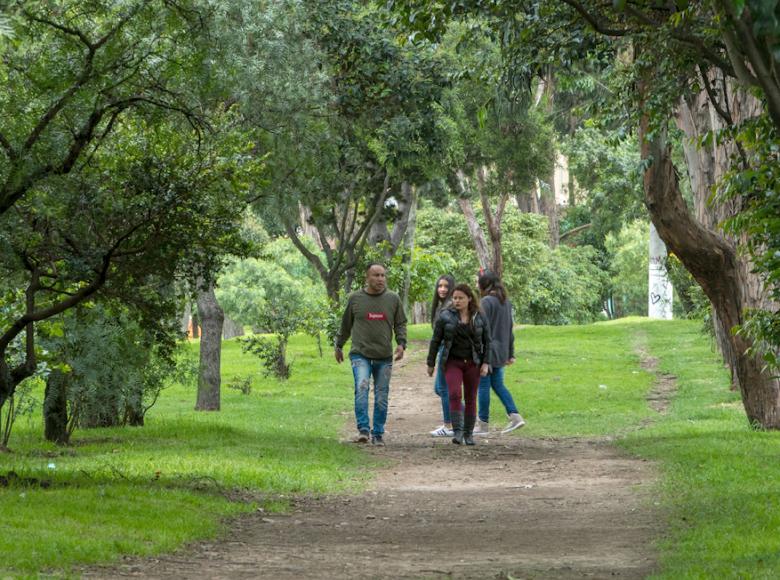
x=665, y=386
x=509, y=507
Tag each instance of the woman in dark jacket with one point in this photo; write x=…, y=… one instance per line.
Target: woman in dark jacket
x=464, y=331
x=498, y=311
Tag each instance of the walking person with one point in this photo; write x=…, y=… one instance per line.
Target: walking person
x=442, y=299
x=498, y=311
x=464, y=332
x=372, y=316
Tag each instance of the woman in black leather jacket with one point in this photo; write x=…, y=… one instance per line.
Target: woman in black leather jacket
x=465, y=333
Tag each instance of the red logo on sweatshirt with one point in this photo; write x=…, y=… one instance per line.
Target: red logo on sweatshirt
x=376, y=316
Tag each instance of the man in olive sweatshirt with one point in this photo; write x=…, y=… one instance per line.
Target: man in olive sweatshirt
x=373, y=314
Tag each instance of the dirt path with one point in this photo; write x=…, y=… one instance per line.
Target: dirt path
x=510, y=507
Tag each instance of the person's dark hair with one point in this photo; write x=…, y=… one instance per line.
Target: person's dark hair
x=450, y=288
x=489, y=284
x=474, y=303
x=372, y=264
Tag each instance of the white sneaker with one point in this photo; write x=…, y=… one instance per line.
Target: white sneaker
x=515, y=422
x=482, y=428
x=442, y=431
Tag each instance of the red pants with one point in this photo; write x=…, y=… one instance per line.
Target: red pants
x=459, y=372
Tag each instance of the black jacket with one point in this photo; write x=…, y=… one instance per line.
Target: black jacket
x=444, y=332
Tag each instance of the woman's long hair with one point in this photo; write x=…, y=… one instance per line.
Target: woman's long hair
x=489, y=284
x=437, y=302
x=473, y=303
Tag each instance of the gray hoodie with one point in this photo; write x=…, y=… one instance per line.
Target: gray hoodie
x=502, y=343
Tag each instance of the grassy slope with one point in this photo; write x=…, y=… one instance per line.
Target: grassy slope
x=719, y=483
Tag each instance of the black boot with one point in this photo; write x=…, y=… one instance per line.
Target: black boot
x=468, y=429
x=457, y=427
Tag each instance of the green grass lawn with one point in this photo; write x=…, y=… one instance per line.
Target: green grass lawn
x=721, y=480
x=151, y=489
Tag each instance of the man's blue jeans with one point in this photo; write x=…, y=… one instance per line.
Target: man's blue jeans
x=494, y=381
x=363, y=369
x=440, y=388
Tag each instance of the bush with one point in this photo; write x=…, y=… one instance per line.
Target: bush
x=109, y=372
x=241, y=384
x=272, y=351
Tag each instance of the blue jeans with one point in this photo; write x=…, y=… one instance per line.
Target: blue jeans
x=494, y=380
x=363, y=369
x=440, y=388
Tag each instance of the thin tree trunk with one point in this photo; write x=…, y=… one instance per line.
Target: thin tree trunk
x=548, y=207
x=231, y=329
x=209, y=380
x=55, y=408
x=307, y=226
x=409, y=231
x=527, y=202
x=477, y=237
x=195, y=323
x=185, y=318
x=493, y=221
x=407, y=206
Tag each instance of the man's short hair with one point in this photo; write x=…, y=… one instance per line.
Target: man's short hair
x=372, y=264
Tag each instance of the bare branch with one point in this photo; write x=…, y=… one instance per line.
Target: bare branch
x=713, y=97
x=6, y=144
x=595, y=22
x=61, y=27
x=312, y=257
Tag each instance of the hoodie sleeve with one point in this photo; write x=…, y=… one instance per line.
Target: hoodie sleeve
x=346, y=325
x=400, y=324
x=486, y=339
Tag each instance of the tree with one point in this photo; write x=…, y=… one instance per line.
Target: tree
x=364, y=131
x=72, y=74
x=671, y=43
x=171, y=208
x=209, y=376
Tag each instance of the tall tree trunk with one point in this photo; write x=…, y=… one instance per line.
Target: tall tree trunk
x=212, y=318
x=571, y=186
x=231, y=329
x=407, y=205
x=493, y=221
x=548, y=207
x=716, y=107
x=409, y=231
x=195, y=323
x=477, y=237
x=307, y=225
x=55, y=408
x=712, y=261
x=185, y=318
x=527, y=202
x=379, y=232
